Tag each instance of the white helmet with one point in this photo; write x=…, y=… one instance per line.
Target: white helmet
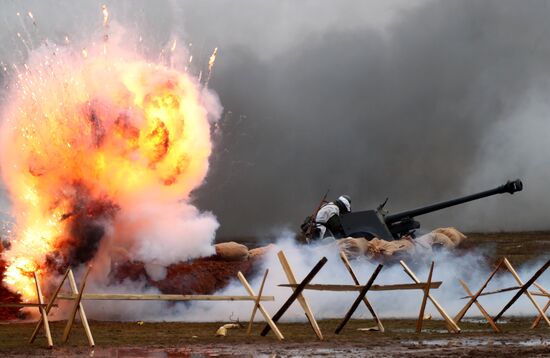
x=346, y=201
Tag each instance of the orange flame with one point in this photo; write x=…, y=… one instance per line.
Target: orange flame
x=111, y=127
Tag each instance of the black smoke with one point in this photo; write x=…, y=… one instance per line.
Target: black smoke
x=88, y=218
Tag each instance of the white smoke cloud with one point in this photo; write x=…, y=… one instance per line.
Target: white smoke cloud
x=449, y=268
x=515, y=147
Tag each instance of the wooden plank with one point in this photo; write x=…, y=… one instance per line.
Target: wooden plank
x=358, y=300
x=357, y=288
x=159, y=297
x=473, y=299
x=263, y=311
x=43, y=311
x=347, y=264
x=451, y=325
x=49, y=307
x=524, y=290
x=81, y=311
x=481, y=309
x=488, y=293
x=76, y=306
x=23, y=304
x=424, y=300
x=300, y=298
x=256, y=303
x=297, y=292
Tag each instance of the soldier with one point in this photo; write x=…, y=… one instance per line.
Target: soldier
x=327, y=220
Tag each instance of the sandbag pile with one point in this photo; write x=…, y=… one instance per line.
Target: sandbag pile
x=231, y=251
x=376, y=248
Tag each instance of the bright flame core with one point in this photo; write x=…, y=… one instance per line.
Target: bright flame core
x=82, y=137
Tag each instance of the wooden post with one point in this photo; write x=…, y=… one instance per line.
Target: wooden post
x=76, y=307
x=48, y=307
x=298, y=293
x=474, y=298
x=524, y=290
x=81, y=312
x=424, y=300
x=481, y=309
x=365, y=300
x=43, y=311
x=256, y=303
x=263, y=311
x=358, y=299
x=539, y=317
x=451, y=325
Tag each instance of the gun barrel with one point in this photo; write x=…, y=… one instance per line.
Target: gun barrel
x=510, y=187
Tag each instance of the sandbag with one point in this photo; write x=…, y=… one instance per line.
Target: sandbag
x=260, y=251
x=231, y=251
x=353, y=247
x=448, y=238
x=388, y=248
x=356, y=247
x=453, y=234
x=434, y=239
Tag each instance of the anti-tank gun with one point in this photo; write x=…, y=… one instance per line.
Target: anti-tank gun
x=378, y=223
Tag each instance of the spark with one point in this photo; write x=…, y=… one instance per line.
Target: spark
x=212, y=60
x=105, y=12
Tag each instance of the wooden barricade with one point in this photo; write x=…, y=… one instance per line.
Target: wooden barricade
x=523, y=289
x=369, y=286
x=77, y=295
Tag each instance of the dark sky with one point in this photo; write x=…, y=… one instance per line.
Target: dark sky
x=417, y=103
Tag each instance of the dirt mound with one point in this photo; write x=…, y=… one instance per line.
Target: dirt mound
x=201, y=276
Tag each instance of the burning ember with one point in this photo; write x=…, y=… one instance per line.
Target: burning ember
x=99, y=150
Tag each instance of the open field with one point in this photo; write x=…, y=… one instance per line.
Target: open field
x=115, y=339
x=519, y=247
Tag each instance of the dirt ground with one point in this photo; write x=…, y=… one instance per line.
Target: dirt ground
x=115, y=339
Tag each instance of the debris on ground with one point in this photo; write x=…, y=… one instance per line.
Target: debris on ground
x=222, y=331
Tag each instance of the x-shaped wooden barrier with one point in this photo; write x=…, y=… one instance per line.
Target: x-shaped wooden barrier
x=524, y=290
x=297, y=294
x=77, y=307
x=451, y=324
x=365, y=300
x=474, y=297
x=259, y=306
x=358, y=300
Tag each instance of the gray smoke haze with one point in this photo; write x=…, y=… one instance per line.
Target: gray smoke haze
x=415, y=102
x=446, y=98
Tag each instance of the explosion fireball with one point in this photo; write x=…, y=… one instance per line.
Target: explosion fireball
x=99, y=153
